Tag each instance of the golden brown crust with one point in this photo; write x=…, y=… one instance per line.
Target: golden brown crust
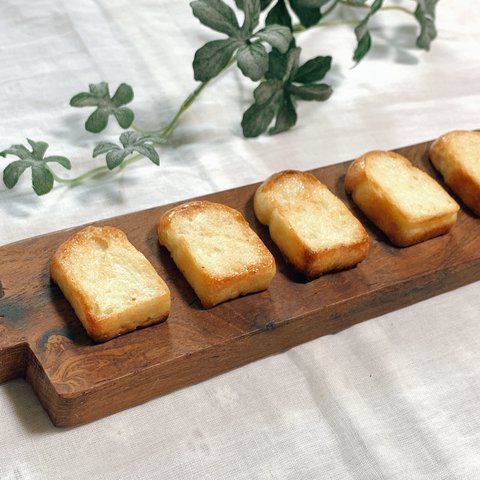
x=210, y=286
x=270, y=209
x=102, y=326
x=446, y=156
x=402, y=228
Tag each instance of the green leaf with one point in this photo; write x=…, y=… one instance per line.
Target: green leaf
x=104, y=147
x=13, y=172
x=286, y=116
x=425, y=15
x=38, y=149
x=252, y=60
x=307, y=16
x=251, y=9
x=42, y=179
x=313, y=70
x=99, y=96
x=293, y=56
x=376, y=6
x=266, y=91
x=364, y=39
x=99, y=90
x=63, y=161
x=314, y=91
x=130, y=138
x=277, y=65
x=123, y=95
x=124, y=116
x=277, y=36
x=279, y=15
x=83, y=99
x=216, y=15
x=98, y=120
x=18, y=150
x=363, y=46
x=149, y=152
x=116, y=157
x=212, y=58
x=258, y=116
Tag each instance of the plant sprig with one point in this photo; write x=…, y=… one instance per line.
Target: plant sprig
x=285, y=82
x=42, y=176
x=131, y=142
x=267, y=54
x=99, y=96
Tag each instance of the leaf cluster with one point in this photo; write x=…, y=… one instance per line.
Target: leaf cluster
x=285, y=82
x=99, y=96
x=42, y=176
x=130, y=142
x=265, y=54
x=245, y=40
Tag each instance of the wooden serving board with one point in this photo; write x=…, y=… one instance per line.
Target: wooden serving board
x=78, y=381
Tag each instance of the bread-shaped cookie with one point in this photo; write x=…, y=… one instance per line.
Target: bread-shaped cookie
x=313, y=229
x=402, y=200
x=456, y=155
x=112, y=287
x=216, y=250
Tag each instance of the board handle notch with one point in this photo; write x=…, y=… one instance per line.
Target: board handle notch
x=13, y=361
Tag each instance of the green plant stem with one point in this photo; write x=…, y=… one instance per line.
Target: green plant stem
x=94, y=172
x=163, y=134
x=166, y=131
x=300, y=28
x=388, y=7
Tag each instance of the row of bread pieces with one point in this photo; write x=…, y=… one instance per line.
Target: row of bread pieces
x=114, y=288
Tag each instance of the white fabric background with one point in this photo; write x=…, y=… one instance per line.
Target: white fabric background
x=396, y=397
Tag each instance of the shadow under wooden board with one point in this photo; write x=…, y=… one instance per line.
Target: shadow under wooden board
x=78, y=381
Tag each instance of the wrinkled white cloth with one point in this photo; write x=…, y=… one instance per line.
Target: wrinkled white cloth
x=396, y=397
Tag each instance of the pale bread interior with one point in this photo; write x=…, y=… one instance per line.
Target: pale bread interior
x=220, y=244
x=413, y=191
x=113, y=275
x=318, y=217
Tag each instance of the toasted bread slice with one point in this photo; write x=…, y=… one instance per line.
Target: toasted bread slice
x=314, y=230
x=112, y=287
x=456, y=155
x=216, y=250
x=402, y=200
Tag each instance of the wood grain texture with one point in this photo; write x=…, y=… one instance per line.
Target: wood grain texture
x=78, y=381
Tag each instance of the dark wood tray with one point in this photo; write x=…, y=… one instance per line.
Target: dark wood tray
x=77, y=381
